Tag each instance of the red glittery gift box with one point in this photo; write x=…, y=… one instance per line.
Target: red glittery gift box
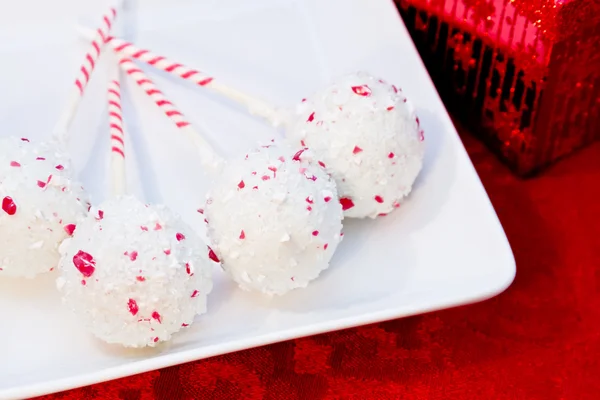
x=523, y=74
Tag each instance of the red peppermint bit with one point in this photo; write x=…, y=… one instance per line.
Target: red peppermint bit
x=245, y=158
x=396, y=204
x=311, y=178
x=144, y=228
x=133, y=307
x=362, y=90
x=100, y=215
x=41, y=184
x=200, y=210
x=303, y=100
x=205, y=221
x=325, y=246
x=242, y=235
x=156, y=316
x=140, y=278
x=253, y=172
x=302, y=143
x=157, y=227
x=309, y=208
x=167, y=252
x=40, y=159
x=274, y=170
x=391, y=155
x=195, y=293
x=179, y=236
x=309, y=200
x=322, y=164
x=421, y=135
x=59, y=167
x=70, y=228
x=292, y=278
x=327, y=199
x=417, y=119
x=265, y=177
x=395, y=88
x=14, y=164
x=25, y=139
x=342, y=234
x=185, y=325
x=298, y=154
x=311, y=117
x=356, y=150
x=390, y=108
x=241, y=185
x=9, y=206
x=83, y=282
x=188, y=269
x=254, y=187
x=85, y=263
x=381, y=214
x=315, y=233
x=212, y=255
x=378, y=199
x=132, y=255
x=346, y=203
x=281, y=158
x=155, y=340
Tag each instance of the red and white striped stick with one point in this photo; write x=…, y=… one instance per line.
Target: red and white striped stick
x=208, y=156
x=252, y=104
x=116, y=131
x=85, y=72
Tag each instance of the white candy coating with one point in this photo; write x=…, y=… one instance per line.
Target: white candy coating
x=368, y=135
x=39, y=205
x=134, y=274
x=274, y=219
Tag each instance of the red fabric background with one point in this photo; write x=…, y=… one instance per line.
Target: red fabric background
x=538, y=340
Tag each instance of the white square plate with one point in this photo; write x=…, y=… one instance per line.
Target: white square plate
x=444, y=247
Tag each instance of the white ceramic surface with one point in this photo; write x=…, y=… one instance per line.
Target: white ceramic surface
x=444, y=247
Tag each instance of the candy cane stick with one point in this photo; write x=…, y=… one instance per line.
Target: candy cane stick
x=208, y=157
x=85, y=71
x=116, y=131
x=254, y=105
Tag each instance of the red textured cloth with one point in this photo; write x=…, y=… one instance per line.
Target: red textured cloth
x=538, y=340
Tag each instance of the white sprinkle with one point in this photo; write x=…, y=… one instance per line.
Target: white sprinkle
x=285, y=238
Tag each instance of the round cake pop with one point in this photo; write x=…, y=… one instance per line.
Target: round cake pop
x=274, y=219
x=40, y=205
x=134, y=274
x=367, y=134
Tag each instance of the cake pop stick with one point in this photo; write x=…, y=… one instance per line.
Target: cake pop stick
x=41, y=202
x=361, y=127
x=134, y=274
x=274, y=218
x=117, y=134
x=254, y=105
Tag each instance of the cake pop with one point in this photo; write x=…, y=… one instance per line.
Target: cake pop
x=133, y=273
x=274, y=217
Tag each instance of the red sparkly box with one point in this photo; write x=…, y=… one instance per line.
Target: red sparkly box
x=522, y=74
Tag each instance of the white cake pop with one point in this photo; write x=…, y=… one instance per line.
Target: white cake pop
x=274, y=219
x=40, y=205
x=368, y=135
x=134, y=274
